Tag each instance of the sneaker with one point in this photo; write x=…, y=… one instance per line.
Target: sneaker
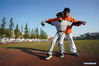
x=48, y=57
x=61, y=55
x=75, y=54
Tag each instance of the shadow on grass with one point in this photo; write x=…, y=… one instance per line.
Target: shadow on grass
x=40, y=55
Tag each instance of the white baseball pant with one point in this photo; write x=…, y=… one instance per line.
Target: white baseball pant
x=71, y=43
x=61, y=36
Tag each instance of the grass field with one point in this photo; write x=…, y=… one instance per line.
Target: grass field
x=83, y=46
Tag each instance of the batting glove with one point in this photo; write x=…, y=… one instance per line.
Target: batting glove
x=83, y=22
x=43, y=23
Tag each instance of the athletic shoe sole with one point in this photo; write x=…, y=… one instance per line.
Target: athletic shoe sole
x=48, y=58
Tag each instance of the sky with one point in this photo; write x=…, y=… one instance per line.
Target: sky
x=33, y=12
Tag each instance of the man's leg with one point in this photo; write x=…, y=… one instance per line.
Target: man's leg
x=71, y=43
x=52, y=47
x=61, y=40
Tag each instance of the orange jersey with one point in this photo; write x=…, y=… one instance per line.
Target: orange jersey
x=70, y=19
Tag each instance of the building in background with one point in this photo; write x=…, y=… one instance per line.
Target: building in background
x=89, y=34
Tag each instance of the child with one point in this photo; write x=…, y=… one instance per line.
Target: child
x=61, y=26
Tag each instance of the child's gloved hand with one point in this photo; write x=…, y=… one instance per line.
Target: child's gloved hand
x=43, y=23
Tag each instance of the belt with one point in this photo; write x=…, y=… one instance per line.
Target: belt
x=61, y=31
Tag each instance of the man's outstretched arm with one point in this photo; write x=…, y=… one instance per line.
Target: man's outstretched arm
x=79, y=23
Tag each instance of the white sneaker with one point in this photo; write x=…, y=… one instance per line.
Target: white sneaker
x=48, y=57
x=61, y=55
x=75, y=54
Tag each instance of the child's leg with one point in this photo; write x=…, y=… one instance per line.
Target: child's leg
x=61, y=40
x=53, y=43
x=63, y=46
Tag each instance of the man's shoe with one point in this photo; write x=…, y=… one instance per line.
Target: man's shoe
x=75, y=54
x=48, y=57
x=61, y=55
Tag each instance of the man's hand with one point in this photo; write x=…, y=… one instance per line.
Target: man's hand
x=79, y=23
x=83, y=22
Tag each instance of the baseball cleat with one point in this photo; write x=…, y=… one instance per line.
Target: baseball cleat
x=61, y=55
x=48, y=57
x=75, y=54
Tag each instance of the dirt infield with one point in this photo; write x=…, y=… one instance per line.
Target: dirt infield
x=18, y=57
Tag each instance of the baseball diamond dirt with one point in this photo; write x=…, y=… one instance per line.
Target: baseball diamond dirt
x=20, y=57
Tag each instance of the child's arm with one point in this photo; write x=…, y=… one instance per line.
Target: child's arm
x=46, y=21
x=43, y=23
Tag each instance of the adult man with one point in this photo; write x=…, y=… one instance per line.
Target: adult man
x=61, y=26
x=68, y=34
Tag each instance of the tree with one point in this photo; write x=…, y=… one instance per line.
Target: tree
x=43, y=34
x=26, y=28
x=8, y=33
x=17, y=31
x=29, y=30
x=21, y=28
x=32, y=34
x=26, y=35
x=2, y=29
x=2, y=32
x=11, y=25
x=3, y=23
x=37, y=33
